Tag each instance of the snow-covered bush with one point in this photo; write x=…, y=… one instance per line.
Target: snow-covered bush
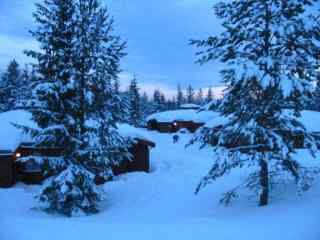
x=71, y=193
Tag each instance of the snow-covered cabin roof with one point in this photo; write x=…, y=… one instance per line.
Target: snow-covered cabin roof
x=127, y=130
x=189, y=106
x=185, y=115
x=11, y=137
x=310, y=119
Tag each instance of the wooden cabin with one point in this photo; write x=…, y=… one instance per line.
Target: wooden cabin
x=172, y=127
x=140, y=161
x=173, y=121
x=7, y=169
x=31, y=172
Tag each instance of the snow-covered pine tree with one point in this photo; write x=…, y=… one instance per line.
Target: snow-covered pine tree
x=199, y=97
x=97, y=55
x=158, y=101
x=163, y=102
x=190, y=95
x=180, y=96
x=315, y=104
x=171, y=104
x=3, y=94
x=146, y=107
x=24, y=88
x=135, y=116
x=74, y=101
x=54, y=108
x=97, y=75
x=272, y=57
x=9, y=86
x=209, y=97
x=121, y=106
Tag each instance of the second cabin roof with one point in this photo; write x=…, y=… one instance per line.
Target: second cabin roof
x=185, y=115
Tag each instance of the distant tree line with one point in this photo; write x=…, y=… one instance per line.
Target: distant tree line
x=16, y=84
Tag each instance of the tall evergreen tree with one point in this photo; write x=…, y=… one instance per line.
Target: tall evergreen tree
x=272, y=57
x=180, y=96
x=315, y=104
x=135, y=116
x=190, y=95
x=9, y=86
x=75, y=102
x=199, y=97
x=121, y=105
x=25, y=88
x=158, y=101
x=209, y=97
x=146, y=107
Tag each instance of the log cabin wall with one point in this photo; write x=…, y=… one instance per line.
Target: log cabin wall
x=7, y=170
x=172, y=127
x=12, y=170
x=140, y=161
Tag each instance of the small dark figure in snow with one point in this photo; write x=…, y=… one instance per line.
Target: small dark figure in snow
x=175, y=138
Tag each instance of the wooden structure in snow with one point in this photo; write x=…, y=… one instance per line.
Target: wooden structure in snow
x=7, y=169
x=140, y=161
x=173, y=121
x=20, y=146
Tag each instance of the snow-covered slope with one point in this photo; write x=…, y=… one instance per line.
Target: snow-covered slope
x=161, y=206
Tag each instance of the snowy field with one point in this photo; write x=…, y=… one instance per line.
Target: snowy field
x=162, y=205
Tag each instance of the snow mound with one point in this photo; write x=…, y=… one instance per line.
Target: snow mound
x=184, y=115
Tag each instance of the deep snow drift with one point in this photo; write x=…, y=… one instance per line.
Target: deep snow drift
x=162, y=205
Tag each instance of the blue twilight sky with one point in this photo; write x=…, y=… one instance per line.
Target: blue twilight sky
x=157, y=32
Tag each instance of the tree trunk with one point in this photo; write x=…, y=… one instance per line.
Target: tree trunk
x=264, y=181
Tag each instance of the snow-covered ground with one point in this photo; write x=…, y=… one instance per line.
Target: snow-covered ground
x=162, y=205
